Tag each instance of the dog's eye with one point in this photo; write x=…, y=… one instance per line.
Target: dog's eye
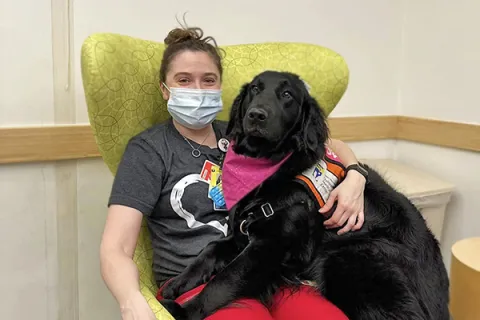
x=254, y=89
x=286, y=94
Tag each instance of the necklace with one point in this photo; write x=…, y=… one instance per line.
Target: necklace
x=196, y=151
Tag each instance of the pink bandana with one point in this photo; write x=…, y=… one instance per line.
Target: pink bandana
x=241, y=175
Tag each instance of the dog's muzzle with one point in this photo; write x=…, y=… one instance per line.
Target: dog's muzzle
x=256, y=120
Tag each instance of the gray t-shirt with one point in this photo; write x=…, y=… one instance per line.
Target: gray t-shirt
x=159, y=177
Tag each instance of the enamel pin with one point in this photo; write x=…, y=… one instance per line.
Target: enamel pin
x=223, y=144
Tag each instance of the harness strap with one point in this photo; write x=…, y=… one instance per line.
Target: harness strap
x=256, y=213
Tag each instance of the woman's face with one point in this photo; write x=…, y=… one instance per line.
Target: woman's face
x=192, y=69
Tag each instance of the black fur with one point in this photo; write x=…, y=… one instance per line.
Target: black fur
x=390, y=269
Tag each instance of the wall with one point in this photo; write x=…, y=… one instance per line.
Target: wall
x=439, y=80
x=27, y=192
x=21, y=64
x=346, y=26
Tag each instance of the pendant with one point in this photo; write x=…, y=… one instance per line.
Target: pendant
x=196, y=153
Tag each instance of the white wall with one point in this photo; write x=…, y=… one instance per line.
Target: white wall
x=440, y=63
x=439, y=79
x=347, y=26
x=27, y=192
x=26, y=79
x=68, y=199
x=27, y=228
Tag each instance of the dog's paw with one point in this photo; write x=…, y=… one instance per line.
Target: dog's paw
x=174, y=309
x=170, y=291
x=179, y=285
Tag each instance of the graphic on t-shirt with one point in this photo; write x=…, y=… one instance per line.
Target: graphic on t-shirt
x=178, y=191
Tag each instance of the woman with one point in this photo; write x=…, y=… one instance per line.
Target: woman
x=164, y=176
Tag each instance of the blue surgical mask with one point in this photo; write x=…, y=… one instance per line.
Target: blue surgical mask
x=194, y=108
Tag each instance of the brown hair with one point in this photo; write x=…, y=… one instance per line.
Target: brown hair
x=191, y=39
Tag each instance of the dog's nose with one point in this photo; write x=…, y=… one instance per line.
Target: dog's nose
x=257, y=114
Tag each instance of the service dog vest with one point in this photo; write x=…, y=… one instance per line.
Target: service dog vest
x=323, y=177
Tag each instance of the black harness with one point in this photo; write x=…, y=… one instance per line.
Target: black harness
x=331, y=173
x=255, y=214
x=260, y=210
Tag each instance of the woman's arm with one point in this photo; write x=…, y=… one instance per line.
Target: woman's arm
x=119, y=271
x=135, y=191
x=349, y=193
x=343, y=151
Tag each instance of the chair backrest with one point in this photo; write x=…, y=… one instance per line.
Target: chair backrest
x=121, y=82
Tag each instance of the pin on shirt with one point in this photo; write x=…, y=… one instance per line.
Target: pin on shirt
x=223, y=144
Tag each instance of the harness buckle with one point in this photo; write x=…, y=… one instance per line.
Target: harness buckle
x=267, y=209
x=245, y=232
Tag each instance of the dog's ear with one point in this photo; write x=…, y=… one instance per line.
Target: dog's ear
x=314, y=129
x=234, y=127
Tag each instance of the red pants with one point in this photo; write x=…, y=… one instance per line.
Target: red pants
x=304, y=304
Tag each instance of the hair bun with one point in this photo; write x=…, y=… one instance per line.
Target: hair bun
x=181, y=35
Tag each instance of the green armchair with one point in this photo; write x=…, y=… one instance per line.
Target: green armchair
x=121, y=84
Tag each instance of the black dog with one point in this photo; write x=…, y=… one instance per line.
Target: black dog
x=390, y=269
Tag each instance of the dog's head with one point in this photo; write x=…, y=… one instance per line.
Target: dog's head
x=274, y=115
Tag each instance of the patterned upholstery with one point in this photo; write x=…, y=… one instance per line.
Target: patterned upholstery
x=121, y=84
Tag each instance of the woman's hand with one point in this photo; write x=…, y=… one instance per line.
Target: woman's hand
x=137, y=308
x=349, y=195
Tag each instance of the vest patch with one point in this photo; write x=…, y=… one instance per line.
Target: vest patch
x=323, y=177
